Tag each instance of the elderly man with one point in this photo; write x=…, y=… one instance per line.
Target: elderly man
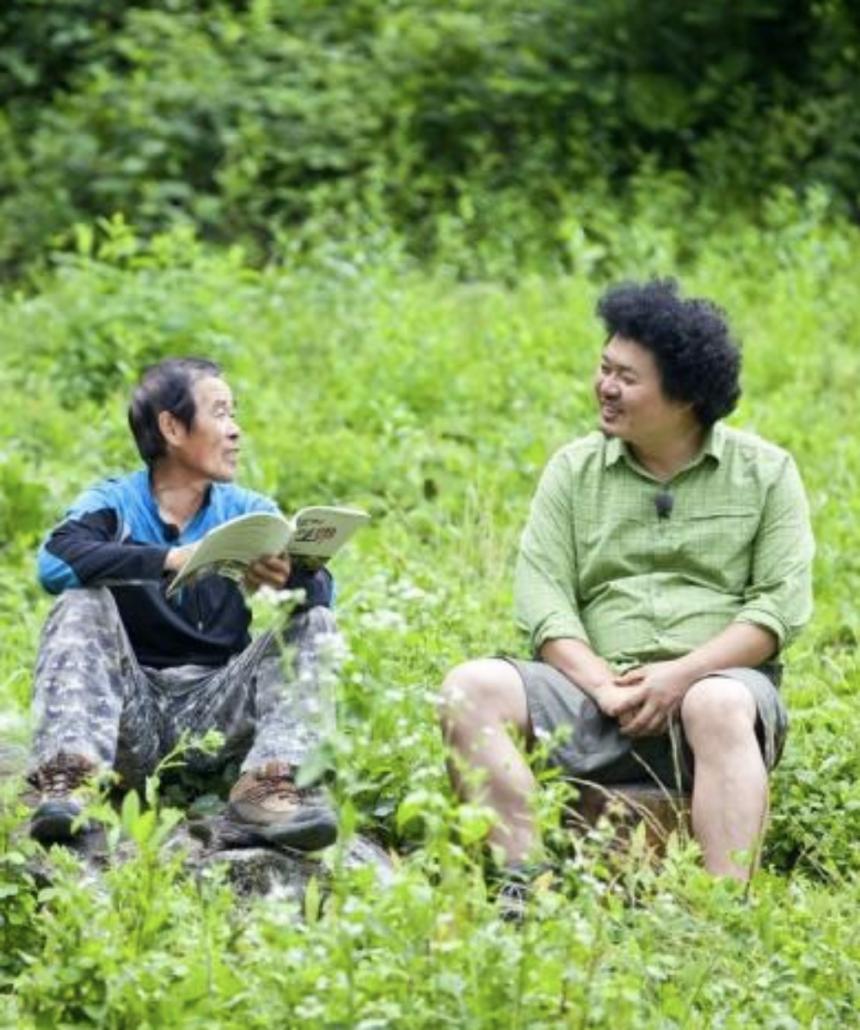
x=664, y=568
x=123, y=671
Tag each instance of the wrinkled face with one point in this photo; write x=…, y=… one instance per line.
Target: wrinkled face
x=210, y=448
x=631, y=402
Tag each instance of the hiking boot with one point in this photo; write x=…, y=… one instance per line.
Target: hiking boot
x=268, y=802
x=61, y=801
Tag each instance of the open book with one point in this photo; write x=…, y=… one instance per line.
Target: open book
x=310, y=539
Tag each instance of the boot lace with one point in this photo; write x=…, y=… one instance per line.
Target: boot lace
x=58, y=778
x=272, y=780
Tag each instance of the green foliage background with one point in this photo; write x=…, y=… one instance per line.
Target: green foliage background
x=280, y=122
x=390, y=222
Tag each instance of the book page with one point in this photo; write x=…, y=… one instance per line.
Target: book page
x=320, y=532
x=232, y=546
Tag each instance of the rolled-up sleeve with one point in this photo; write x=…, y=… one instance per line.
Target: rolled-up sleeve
x=545, y=580
x=779, y=596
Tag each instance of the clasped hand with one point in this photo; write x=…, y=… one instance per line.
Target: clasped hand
x=643, y=699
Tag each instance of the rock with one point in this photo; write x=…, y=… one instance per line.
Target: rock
x=13, y=764
x=363, y=851
x=13, y=759
x=207, y=837
x=260, y=871
x=266, y=873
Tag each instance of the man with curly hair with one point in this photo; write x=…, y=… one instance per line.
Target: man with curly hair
x=664, y=568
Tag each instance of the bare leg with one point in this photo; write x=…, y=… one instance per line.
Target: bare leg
x=480, y=700
x=730, y=785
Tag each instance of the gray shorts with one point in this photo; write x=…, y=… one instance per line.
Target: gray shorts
x=588, y=745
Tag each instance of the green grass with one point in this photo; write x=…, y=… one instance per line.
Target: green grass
x=435, y=403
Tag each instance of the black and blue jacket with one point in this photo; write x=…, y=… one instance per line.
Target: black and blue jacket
x=114, y=536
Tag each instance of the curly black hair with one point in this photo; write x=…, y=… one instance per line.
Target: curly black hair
x=698, y=359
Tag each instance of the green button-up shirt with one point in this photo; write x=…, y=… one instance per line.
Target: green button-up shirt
x=598, y=563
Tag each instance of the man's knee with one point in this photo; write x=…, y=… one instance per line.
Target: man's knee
x=718, y=713
x=481, y=692
x=321, y=619
x=312, y=632
x=311, y=622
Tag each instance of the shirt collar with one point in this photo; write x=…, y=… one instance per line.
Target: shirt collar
x=712, y=447
x=614, y=451
x=152, y=503
x=715, y=442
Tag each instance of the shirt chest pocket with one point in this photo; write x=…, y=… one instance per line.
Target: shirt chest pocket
x=718, y=544
x=612, y=546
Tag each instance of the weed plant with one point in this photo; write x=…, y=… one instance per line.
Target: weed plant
x=434, y=403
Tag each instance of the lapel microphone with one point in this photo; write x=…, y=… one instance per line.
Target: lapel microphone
x=664, y=502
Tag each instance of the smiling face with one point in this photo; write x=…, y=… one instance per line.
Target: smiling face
x=209, y=449
x=631, y=402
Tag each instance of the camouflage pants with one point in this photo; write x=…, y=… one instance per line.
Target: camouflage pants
x=272, y=702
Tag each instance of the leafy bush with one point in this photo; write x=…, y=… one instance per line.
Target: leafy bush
x=279, y=121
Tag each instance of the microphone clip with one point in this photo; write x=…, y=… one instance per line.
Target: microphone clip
x=664, y=502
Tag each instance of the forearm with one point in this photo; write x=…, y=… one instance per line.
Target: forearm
x=576, y=660
x=84, y=553
x=545, y=578
x=739, y=644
